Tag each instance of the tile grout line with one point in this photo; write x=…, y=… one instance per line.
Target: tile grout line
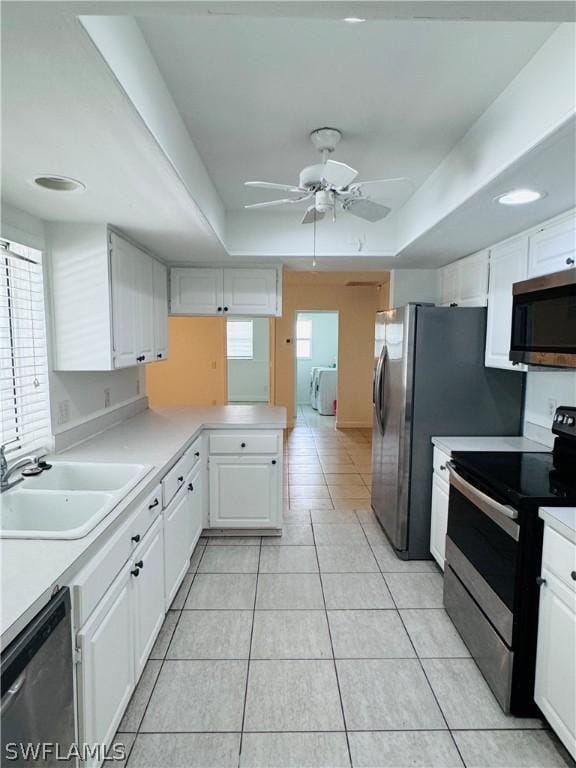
x=249, y=658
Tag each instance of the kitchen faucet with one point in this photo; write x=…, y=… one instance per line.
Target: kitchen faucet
x=34, y=463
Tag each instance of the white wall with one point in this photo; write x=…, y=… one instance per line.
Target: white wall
x=324, y=350
x=248, y=380
x=82, y=397
x=542, y=387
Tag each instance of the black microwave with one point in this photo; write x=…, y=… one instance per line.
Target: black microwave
x=544, y=320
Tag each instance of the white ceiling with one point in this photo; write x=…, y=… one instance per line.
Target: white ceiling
x=403, y=93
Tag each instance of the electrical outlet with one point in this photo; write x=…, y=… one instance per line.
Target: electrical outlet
x=106, y=398
x=552, y=405
x=63, y=412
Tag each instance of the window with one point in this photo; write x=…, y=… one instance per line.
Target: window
x=240, y=339
x=24, y=403
x=304, y=339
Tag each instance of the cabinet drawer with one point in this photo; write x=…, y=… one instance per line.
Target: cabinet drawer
x=559, y=556
x=244, y=443
x=175, y=478
x=440, y=460
x=94, y=580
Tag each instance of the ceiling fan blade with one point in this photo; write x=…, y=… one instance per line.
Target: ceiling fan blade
x=366, y=209
x=272, y=185
x=312, y=215
x=284, y=201
x=337, y=174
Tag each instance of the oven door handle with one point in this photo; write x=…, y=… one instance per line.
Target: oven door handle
x=502, y=514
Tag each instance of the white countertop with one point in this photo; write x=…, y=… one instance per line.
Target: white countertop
x=562, y=519
x=31, y=568
x=451, y=444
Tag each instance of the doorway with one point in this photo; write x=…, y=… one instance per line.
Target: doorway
x=316, y=366
x=248, y=359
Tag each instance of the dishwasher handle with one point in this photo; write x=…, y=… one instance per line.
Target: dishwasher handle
x=502, y=514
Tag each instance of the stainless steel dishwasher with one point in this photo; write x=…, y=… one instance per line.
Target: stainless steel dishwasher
x=37, y=705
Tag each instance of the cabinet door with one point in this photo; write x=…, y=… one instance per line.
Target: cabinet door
x=106, y=672
x=195, y=291
x=553, y=248
x=508, y=265
x=250, y=291
x=245, y=491
x=143, y=269
x=195, y=489
x=124, y=303
x=160, y=279
x=473, y=280
x=439, y=519
x=555, y=689
x=148, y=574
x=449, y=283
x=176, y=544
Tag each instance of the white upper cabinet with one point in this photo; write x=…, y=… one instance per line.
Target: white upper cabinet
x=199, y=291
x=160, y=294
x=196, y=291
x=109, y=303
x=465, y=282
x=508, y=265
x=553, y=247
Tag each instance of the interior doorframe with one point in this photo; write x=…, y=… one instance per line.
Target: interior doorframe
x=297, y=312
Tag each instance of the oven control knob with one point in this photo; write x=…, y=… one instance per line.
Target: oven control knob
x=570, y=421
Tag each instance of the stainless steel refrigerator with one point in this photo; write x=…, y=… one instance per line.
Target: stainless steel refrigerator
x=430, y=379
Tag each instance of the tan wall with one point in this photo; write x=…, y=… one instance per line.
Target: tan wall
x=195, y=372
x=356, y=307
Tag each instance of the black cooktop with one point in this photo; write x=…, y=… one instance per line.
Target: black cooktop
x=519, y=477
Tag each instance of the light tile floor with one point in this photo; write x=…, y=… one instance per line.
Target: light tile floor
x=319, y=649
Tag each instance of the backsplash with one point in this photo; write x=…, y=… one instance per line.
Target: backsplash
x=545, y=390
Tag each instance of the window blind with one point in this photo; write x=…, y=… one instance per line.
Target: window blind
x=240, y=339
x=303, y=339
x=24, y=399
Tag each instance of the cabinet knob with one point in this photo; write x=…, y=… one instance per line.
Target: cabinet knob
x=273, y=461
x=159, y=355
x=140, y=358
x=569, y=260
x=540, y=581
x=135, y=572
x=225, y=309
x=219, y=309
x=453, y=304
x=181, y=479
x=136, y=538
x=443, y=467
x=154, y=504
x=139, y=564
x=242, y=445
x=573, y=575
x=197, y=454
x=190, y=487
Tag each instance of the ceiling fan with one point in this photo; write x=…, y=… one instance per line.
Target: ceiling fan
x=329, y=184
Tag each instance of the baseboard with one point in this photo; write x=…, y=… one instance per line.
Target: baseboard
x=344, y=424
x=98, y=422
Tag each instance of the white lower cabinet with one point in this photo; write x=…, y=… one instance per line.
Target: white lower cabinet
x=176, y=543
x=106, y=673
x=555, y=689
x=439, y=519
x=245, y=491
x=148, y=575
x=195, y=490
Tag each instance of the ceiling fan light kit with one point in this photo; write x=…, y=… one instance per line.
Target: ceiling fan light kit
x=329, y=184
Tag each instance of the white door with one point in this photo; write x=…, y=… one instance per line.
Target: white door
x=160, y=280
x=508, y=265
x=176, y=544
x=106, y=671
x=250, y=291
x=439, y=519
x=555, y=689
x=473, y=280
x=245, y=491
x=195, y=291
x=148, y=575
x=553, y=248
x=143, y=269
x=195, y=489
x=124, y=303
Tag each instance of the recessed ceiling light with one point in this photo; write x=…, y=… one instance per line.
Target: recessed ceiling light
x=59, y=184
x=519, y=197
x=353, y=20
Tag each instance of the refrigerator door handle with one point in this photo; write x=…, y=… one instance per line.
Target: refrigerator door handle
x=378, y=379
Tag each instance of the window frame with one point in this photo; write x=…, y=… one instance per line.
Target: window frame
x=307, y=338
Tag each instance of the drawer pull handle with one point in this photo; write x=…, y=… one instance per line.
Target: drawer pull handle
x=190, y=487
x=181, y=479
x=273, y=461
x=242, y=445
x=154, y=504
x=573, y=575
x=139, y=564
x=197, y=454
x=540, y=581
x=136, y=538
x=135, y=572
